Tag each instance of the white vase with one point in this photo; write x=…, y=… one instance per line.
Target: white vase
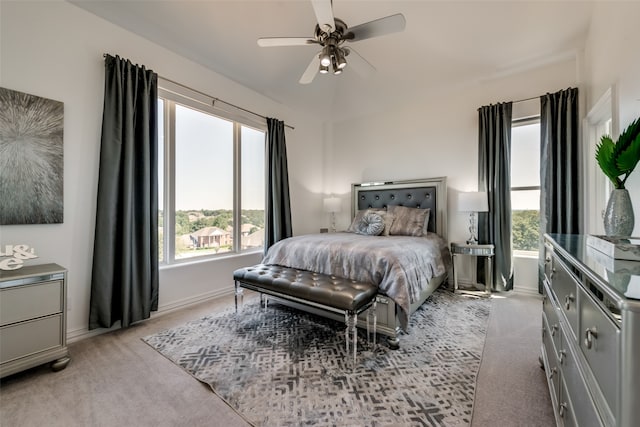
x=618, y=217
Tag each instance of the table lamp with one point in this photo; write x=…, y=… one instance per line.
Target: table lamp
x=472, y=202
x=332, y=205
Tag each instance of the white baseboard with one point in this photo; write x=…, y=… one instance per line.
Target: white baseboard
x=526, y=291
x=84, y=333
x=185, y=302
x=81, y=334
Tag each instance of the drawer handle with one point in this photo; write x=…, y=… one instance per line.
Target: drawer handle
x=554, y=328
x=553, y=372
x=563, y=409
x=561, y=355
x=553, y=271
x=568, y=300
x=589, y=335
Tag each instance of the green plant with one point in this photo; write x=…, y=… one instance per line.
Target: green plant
x=620, y=158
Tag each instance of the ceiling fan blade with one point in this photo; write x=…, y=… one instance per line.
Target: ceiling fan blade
x=324, y=15
x=311, y=71
x=379, y=27
x=358, y=63
x=285, y=41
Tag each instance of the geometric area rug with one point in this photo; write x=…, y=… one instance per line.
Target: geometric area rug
x=285, y=367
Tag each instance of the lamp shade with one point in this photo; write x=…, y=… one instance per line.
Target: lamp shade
x=332, y=204
x=475, y=201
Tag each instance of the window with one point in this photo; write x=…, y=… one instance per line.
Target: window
x=211, y=183
x=525, y=185
x=599, y=122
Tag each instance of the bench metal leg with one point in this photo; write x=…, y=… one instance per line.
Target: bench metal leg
x=351, y=319
x=372, y=318
x=239, y=297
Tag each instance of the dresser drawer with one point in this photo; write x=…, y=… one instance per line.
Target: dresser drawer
x=565, y=408
x=585, y=411
x=551, y=313
x=566, y=290
x=28, y=338
x=552, y=369
x=600, y=344
x=548, y=261
x=30, y=301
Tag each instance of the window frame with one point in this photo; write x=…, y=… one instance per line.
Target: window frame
x=524, y=121
x=602, y=119
x=172, y=94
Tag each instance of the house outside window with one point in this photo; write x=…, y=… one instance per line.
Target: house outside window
x=211, y=179
x=525, y=185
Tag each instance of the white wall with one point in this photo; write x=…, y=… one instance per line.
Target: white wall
x=434, y=136
x=613, y=59
x=54, y=50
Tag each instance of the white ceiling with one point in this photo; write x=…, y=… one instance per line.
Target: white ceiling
x=445, y=43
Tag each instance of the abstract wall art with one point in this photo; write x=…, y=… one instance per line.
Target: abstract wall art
x=31, y=159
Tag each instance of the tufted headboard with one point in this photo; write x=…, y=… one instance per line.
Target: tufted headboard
x=421, y=193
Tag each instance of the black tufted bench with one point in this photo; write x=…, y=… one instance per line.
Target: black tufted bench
x=313, y=289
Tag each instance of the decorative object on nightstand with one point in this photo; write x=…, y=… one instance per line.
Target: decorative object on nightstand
x=473, y=202
x=15, y=256
x=475, y=250
x=332, y=205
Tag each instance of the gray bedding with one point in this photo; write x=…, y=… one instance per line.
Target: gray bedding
x=401, y=266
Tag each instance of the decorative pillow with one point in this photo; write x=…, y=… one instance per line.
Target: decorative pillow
x=388, y=221
x=409, y=221
x=371, y=224
x=357, y=219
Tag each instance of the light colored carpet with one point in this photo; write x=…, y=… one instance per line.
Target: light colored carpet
x=512, y=388
x=284, y=367
x=115, y=379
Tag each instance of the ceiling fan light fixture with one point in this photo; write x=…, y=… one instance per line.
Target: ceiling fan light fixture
x=330, y=34
x=340, y=59
x=336, y=69
x=325, y=56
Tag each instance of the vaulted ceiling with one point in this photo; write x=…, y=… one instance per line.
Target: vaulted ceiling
x=445, y=44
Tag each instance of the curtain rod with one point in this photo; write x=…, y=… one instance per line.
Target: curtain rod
x=526, y=99
x=104, y=55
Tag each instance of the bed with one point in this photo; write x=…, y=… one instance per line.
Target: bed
x=406, y=269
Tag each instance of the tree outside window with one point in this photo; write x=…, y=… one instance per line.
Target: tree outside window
x=525, y=185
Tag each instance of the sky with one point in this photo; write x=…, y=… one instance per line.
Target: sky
x=204, y=162
x=525, y=166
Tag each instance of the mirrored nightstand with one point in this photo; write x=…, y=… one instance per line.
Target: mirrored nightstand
x=486, y=251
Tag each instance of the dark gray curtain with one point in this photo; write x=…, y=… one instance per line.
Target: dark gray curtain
x=494, y=177
x=278, y=216
x=124, y=282
x=560, y=172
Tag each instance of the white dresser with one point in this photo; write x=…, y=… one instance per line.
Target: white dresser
x=33, y=318
x=591, y=334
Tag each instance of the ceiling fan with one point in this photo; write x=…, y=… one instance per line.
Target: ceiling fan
x=331, y=33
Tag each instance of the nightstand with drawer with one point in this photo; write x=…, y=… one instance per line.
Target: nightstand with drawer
x=486, y=251
x=33, y=318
